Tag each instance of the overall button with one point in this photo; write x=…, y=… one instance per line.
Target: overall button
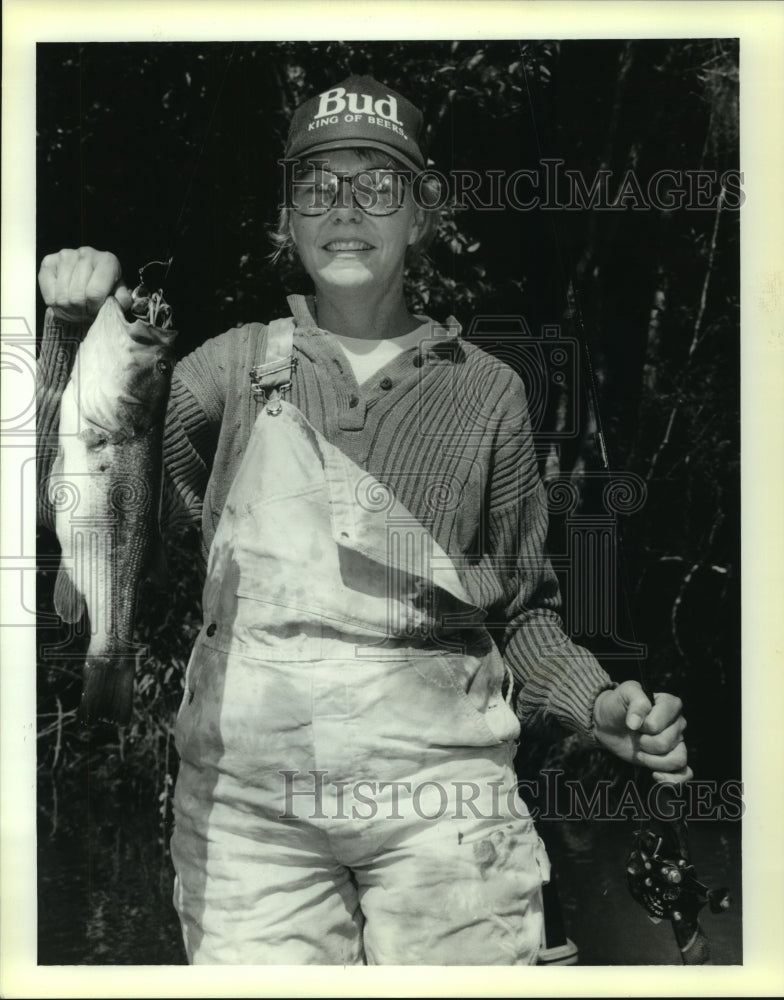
x=418, y=361
x=386, y=383
x=354, y=401
x=212, y=629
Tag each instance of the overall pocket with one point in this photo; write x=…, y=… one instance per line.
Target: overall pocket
x=477, y=683
x=190, y=717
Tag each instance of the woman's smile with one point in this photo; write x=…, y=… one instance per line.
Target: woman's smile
x=344, y=246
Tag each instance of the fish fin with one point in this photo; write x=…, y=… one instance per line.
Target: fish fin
x=107, y=695
x=57, y=463
x=68, y=600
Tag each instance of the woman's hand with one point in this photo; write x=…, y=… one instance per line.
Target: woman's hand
x=76, y=283
x=626, y=724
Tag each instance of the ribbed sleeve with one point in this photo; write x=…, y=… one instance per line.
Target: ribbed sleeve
x=193, y=419
x=59, y=344
x=449, y=433
x=193, y=423
x=558, y=680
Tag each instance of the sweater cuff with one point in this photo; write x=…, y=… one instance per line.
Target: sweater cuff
x=574, y=706
x=590, y=735
x=567, y=697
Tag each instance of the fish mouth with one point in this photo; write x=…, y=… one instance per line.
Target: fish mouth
x=136, y=328
x=348, y=246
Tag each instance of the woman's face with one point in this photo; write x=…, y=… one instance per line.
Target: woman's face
x=345, y=248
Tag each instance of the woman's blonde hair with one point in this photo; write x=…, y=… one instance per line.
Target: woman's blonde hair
x=429, y=188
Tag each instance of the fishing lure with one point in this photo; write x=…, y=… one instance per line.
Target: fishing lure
x=151, y=306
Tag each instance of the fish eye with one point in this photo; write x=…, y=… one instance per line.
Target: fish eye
x=164, y=366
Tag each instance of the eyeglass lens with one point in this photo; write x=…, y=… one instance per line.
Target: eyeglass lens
x=377, y=192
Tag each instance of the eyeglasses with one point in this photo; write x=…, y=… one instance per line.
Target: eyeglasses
x=376, y=192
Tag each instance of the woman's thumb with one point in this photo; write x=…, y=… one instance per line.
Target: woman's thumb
x=123, y=296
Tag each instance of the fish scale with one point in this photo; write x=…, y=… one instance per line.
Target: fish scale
x=106, y=487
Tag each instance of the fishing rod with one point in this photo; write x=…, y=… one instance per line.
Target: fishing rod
x=660, y=874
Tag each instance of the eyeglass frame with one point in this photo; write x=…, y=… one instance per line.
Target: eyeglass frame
x=341, y=176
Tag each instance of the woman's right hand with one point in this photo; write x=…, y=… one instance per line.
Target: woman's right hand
x=76, y=283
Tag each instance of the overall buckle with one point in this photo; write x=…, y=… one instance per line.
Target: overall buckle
x=269, y=381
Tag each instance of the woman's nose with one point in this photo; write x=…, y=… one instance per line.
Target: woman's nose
x=345, y=201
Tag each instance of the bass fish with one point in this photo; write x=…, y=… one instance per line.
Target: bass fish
x=106, y=489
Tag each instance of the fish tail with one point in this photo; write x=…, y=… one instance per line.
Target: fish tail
x=108, y=691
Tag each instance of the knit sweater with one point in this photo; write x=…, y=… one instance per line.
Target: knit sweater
x=445, y=426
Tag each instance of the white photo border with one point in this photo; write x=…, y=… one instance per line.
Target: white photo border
x=760, y=28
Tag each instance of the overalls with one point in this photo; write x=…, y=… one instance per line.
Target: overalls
x=346, y=792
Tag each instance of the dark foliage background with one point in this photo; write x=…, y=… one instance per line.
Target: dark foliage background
x=172, y=149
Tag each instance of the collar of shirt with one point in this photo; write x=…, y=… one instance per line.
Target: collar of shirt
x=303, y=309
x=387, y=386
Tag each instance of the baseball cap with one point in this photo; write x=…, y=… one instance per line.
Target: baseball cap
x=360, y=111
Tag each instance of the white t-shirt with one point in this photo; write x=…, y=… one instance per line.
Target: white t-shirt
x=369, y=356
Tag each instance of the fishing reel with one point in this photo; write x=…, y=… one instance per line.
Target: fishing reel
x=668, y=887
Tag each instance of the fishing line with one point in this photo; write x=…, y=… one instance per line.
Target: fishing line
x=576, y=315
x=194, y=171
x=571, y=291
x=646, y=871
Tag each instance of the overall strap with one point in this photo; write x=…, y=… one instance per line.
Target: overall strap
x=272, y=376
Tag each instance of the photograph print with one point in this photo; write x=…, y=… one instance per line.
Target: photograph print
x=388, y=504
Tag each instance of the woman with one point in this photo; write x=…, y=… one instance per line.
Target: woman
x=370, y=503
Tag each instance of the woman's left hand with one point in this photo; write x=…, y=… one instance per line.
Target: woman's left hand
x=626, y=724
